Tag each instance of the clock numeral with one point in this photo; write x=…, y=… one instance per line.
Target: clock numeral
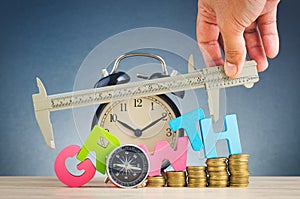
x=169, y=132
x=165, y=116
x=107, y=130
x=123, y=107
x=113, y=117
x=152, y=106
x=138, y=102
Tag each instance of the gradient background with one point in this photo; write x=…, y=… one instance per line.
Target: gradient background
x=50, y=39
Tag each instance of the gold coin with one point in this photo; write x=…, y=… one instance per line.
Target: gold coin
x=235, y=170
x=216, y=161
x=217, y=182
x=195, y=168
x=150, y=179
x=239, y=178
x=196, y=180
x=197, y=185
x=195, y=171
x=156, y=182
x=153, y=182
x=218, y=173
x=176, y=184
x=197, y=177
x=155, y=185
x=231, y=171
x=176, y=179
x=240, y=173
x=234, y=177
x=236, y=160
x=238, y=185
x=241, y=155
x=240, y=181
x=219, y=179
x=218, y=185
x=217, y=168
x=241, y=166
x=176, y=173
x=198, y=173
x=237, y=163
x=155, y=177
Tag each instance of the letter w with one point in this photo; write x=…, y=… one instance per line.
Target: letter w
x=163, y=151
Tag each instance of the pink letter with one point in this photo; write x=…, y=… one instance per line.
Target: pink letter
x=163, y=151
x=65, y=176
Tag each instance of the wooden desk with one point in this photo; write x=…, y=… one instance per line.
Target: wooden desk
x=51, y=187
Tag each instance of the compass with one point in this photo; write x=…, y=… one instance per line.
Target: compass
x=127, y=166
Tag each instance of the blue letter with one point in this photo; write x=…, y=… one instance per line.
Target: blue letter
x=188, y=123
x=231, y=134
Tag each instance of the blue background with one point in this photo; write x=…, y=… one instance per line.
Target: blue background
x=50, y=39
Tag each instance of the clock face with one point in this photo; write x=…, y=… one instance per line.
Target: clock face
x=140, y=120
x=127, y=166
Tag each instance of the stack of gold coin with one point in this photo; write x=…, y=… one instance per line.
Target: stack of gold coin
x=238, y=169
x=176, y=178
x=217, y=171
x=156, y=181
x=197, y=176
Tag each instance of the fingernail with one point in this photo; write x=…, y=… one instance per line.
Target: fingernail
x=230, y=69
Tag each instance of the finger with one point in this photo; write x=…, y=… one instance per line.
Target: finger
x=207, y=36
x=235, y=51
x=255, y=47
x=268, y=28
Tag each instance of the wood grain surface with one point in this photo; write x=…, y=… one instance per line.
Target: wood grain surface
x=51, y=187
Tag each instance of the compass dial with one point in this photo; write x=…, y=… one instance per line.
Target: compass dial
x=127, y=166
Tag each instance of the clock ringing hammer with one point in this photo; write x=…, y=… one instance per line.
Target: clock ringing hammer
x=212, y=79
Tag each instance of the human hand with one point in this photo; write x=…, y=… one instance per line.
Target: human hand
x=237, y=26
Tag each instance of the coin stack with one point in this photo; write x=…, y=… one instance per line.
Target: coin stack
x=176, y=178
x=238, y=169
x=217, y=171
x=197, y=176
x=156, y=181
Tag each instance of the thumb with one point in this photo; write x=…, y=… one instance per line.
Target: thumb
x=235, y=52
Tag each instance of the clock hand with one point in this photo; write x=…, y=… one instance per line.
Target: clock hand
x=126, y=125
x=153, y=123
x=137, y=132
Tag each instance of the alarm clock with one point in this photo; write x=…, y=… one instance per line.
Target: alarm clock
x=138, y=120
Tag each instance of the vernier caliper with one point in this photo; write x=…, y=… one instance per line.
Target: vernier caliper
x=212, y=79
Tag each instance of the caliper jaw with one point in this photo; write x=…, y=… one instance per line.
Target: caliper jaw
x=42, y=113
